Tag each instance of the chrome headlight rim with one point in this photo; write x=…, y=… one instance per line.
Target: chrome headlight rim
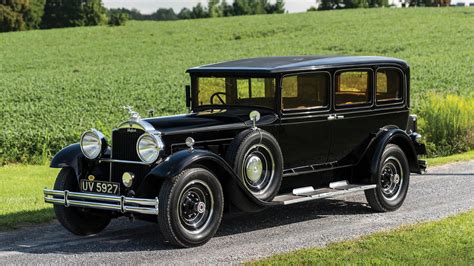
x=159, y=145
x=101, y=143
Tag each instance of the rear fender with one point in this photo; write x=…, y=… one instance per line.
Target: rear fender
x=179, y=161
x=392, y=136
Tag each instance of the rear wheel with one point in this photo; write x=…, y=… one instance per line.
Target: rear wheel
x=392, y=181
x=76, y=220
x=191, y=207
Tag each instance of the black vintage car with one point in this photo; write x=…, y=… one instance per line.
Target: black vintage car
x=260, y=132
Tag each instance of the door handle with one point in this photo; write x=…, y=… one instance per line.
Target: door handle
x=332, y=117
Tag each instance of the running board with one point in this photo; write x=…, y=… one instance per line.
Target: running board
x=309, y=193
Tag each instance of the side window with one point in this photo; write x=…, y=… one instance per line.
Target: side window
x=389, y=85
x=305, y=91
x=352, y=87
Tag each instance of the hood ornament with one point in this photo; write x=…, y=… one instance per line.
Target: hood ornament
x=133, y=115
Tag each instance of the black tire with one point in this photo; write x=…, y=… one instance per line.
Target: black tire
x=190, y=208
x=74, y=219
x=391, y=190
x=261, y=146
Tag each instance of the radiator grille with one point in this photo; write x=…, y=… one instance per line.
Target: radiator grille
x=124, y=141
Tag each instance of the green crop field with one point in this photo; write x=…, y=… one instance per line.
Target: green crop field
x=57, y=83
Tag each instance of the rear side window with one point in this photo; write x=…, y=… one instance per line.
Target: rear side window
x=352, y=88
x=305, y=91
x=389, y=85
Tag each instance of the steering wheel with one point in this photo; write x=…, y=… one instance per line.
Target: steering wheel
x=218, y=95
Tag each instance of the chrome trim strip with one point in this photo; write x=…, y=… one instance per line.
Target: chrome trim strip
x=311, y=168
x=102, y=201
x=107, y=160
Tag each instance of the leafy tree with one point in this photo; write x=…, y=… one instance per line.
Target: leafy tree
x=226, y=9
x=34, y=13
x=241, y=7
x=185, y=13
x=214, y=9
x=94, y=12
x=12, y=15
x=259, y=6
x=377, y=3
x=277, y=8
x=164, y=14
x=72, y=13
x=200, y=12
x=118, y=18
x=329, y=4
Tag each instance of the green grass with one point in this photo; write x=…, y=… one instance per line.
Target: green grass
x=57, y=83
x=446, y=242
x=451, y=159
x=21, y=195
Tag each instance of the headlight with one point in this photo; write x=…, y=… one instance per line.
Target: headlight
x=149, y=147
x=92, y=143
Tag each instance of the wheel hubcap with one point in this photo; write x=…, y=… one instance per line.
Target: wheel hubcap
x=391, y=178
x=195, y=207
x=254, y=168
x=200, y=207
x=258, y=168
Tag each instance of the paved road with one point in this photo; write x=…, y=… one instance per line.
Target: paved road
x=444, y=191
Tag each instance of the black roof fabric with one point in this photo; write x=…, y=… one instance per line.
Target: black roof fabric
x=277, y=64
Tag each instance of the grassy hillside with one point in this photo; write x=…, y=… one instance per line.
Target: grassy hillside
x=57, y=83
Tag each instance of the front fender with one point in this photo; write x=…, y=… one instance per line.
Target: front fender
x=179, y=161
x=398, y=137
x=71, y=156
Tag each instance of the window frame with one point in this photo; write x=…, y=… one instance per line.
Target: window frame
x=370, y=88
x=403, y=88
x=313, y=109
x=195, y=107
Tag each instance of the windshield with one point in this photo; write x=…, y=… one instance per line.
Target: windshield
x=235, y=91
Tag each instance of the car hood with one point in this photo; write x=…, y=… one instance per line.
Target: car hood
x=220, y=119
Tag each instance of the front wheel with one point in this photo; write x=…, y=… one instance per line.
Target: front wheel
x=77, y=220
x=392, y=181
x=191, y=207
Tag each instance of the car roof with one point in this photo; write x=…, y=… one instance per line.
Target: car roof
x=282, y=64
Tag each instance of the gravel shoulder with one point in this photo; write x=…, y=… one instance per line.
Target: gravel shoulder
x=443, y=191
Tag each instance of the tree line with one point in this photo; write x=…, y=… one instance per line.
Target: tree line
x=342, y=4
x=17, y=15
x=214, y=8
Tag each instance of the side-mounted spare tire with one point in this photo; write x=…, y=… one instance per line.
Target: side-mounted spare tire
x=257, y=159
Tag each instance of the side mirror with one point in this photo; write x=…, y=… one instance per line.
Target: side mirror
x=188, y=96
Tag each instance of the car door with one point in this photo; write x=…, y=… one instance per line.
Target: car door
x=303, y=131
x=351, y=117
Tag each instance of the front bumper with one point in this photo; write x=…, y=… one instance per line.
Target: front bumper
x=101, y=201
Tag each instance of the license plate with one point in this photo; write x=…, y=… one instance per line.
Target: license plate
x=100, y=187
